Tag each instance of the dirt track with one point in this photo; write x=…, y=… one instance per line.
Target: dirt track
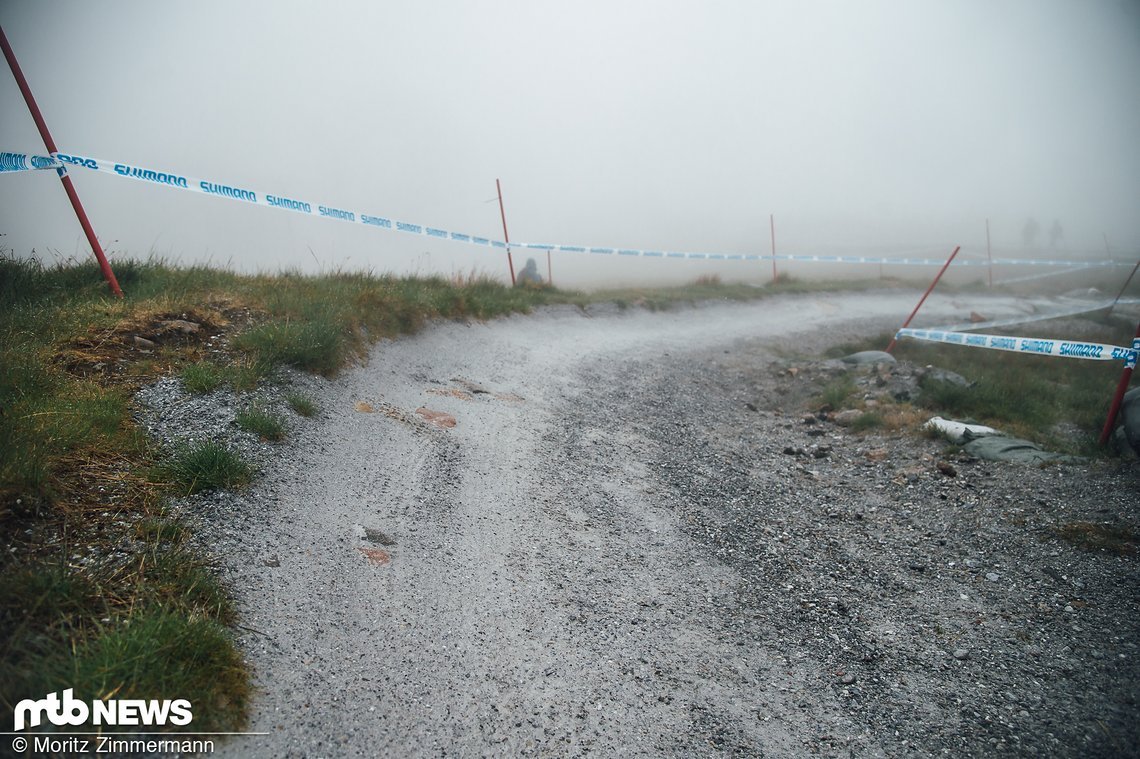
x=609, y=553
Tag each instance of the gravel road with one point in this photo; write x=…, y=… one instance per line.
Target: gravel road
x=630, y=543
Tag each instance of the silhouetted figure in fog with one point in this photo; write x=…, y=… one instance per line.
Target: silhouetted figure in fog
x=1030, y=231
x=1056, y=234
x=529, y=274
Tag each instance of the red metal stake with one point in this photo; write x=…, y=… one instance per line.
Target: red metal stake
x=1118, y=396
x=941, y=271
x=1122, y=289
x=549, y=271
x=772, y=224
x=506, y=237
x=49, y=143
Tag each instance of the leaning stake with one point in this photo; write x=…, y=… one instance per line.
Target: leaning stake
x=506, y=237
x=49, y=143
x=941, y=271
x=1122, y=288
x=1121, y=388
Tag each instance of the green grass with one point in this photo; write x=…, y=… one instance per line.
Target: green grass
x=156, y=653
x=836, y=393
x=202, y=377
x=204, y=466
x=206, y=376
x=266, y=425
x=302, y=405
x=158, y=530
x=868, y=420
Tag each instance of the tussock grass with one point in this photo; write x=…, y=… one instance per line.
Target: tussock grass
x=259, y=422
x=205, y=466
x=158, y=530
x=202, y=377
x=836, y=393
x=301, y=404
x=868, y=420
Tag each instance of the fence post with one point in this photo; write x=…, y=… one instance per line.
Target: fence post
x=506, y=237
x=1121, y=389
x=1122, y=289
x=68, y=187
x=937, y=277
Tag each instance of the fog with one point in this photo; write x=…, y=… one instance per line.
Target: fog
x=871, y=127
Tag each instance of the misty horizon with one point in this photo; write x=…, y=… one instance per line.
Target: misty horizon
x=893, y=128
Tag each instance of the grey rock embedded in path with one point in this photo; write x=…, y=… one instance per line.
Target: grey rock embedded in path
x=863, y=358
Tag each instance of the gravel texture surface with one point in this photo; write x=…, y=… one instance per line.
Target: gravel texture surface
x=633, y=542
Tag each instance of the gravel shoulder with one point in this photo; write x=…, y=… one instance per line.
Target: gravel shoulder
x=611, y=553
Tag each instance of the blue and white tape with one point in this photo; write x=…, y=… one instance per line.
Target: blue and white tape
x=1039, y=346
x=612, y=251
x=304, y=205
x=11, y=162
x=293, y=203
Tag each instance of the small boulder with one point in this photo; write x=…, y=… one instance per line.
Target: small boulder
x=846, y=417
x=869, y=358
x=180, y=325
x=1130, y=418
x=934, y=374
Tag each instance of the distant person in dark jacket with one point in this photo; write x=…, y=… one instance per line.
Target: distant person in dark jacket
x=529, y=274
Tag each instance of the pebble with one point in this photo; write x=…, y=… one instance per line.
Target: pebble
x=961, y=653
x=993, y=576
x=848, y=679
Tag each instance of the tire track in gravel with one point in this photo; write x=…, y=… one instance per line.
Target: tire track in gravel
x=545, y=594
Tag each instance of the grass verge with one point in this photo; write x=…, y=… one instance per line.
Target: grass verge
x=1059, y=403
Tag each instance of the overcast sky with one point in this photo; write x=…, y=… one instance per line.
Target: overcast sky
x=894, y=125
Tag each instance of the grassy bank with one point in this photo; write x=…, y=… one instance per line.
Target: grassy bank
x=1059, y=403
x=98, y=589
